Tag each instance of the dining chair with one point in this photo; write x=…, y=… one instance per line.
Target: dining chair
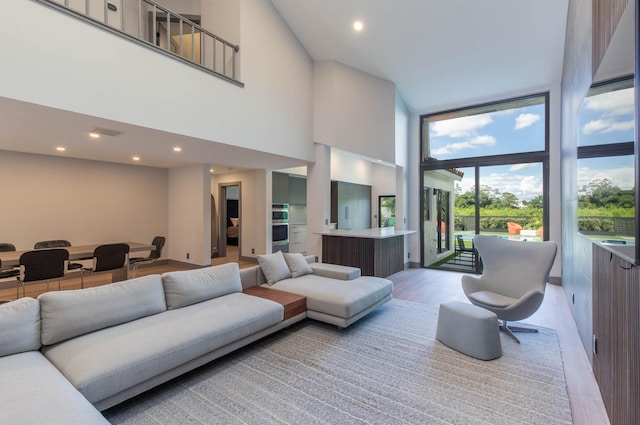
x=6, y=247
x=8, y=273
x=158, y=242
x=42, y=266
x=107, y=258
x=57, y=243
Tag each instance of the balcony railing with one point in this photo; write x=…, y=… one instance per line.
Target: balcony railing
x=157, y=27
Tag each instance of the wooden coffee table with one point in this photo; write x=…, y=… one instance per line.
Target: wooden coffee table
x=293, y=304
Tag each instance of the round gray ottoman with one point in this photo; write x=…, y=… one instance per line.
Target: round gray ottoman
x=470, y=329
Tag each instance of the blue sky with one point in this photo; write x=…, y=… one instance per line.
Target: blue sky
x=495, y=133
x=605, y=118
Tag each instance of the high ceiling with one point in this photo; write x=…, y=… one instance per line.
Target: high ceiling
x=440, y=54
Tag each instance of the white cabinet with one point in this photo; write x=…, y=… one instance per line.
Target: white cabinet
x=298, y=238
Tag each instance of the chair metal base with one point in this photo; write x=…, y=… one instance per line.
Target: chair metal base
x=509, y=330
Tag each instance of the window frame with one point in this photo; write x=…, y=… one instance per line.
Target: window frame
x=540, y=156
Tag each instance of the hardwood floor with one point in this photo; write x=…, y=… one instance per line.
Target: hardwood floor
x=433, y=287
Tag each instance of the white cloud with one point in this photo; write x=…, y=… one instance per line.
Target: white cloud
x=619, y=102
x=621, y=177
x=460, y=127
x=606, y=126
x=525, y=187
x=518, y=167
x=473, y=143
x=622, y=126
x=596, y=126
x=526, y=120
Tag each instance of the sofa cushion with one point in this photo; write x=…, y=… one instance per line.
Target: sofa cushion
x=19, y=326
x=297, y=264
x=109, y=361
x=337, y=297
x=274, y=267
x=188, y=287
x=66, y=314
x=335, y=271
x=33, y=391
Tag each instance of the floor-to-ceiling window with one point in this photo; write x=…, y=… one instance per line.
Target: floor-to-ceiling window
x=484, y=169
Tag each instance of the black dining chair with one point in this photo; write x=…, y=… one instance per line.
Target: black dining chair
x=42, y=265
x=9, y=272
x=57, y=243
x=107, y=258
x=158, y=242
x=7, y=247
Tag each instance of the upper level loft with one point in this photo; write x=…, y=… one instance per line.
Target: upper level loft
x=179, y=36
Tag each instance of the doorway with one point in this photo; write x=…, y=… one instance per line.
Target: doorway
x=387, y=211
x=229, y=220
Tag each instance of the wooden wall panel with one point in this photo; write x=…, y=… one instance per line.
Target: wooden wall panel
x=616, y=325
x=606, y=15
x=374, y=257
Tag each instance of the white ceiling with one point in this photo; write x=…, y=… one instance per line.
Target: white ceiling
x=37, y=129
x=440, y=54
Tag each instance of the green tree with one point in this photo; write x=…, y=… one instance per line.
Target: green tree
x=466, y=199
x=535, y=203
x=509, y=200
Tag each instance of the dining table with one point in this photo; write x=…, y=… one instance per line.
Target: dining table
x=78, y=252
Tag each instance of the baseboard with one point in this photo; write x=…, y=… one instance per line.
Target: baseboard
x=184, y=265
x=555, y=280
x=249, y=259
x=154, y=264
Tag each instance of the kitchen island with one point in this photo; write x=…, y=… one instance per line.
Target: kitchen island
x=377, y=252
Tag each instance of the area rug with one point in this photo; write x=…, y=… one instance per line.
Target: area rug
x=388, y=368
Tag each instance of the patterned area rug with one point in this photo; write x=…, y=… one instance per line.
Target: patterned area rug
x=388, y=368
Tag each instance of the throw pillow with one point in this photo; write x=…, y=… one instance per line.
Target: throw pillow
x=274, y=267
x=297, y=264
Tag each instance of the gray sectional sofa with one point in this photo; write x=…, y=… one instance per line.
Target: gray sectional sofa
x=69, y=354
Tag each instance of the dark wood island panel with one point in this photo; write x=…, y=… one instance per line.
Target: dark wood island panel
x=380, y=257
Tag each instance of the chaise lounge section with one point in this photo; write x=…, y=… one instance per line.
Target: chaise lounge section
x=336, y=294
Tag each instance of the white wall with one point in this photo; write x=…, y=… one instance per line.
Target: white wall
x=349, y=168
x=85, y=202
x=254, y=215
x=354, y=111
x=383, y=183
x=318, y=199
x=189, y=213
x=403, y=195
x=97, y=73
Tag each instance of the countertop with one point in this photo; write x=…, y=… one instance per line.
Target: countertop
x=626, y=252
x=375, y=233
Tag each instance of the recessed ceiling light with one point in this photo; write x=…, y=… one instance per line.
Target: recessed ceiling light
x=211, y=170
x=61, y=148
x=358, y=26
x=94, y=135
x=136, y=158
x=177, y=149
